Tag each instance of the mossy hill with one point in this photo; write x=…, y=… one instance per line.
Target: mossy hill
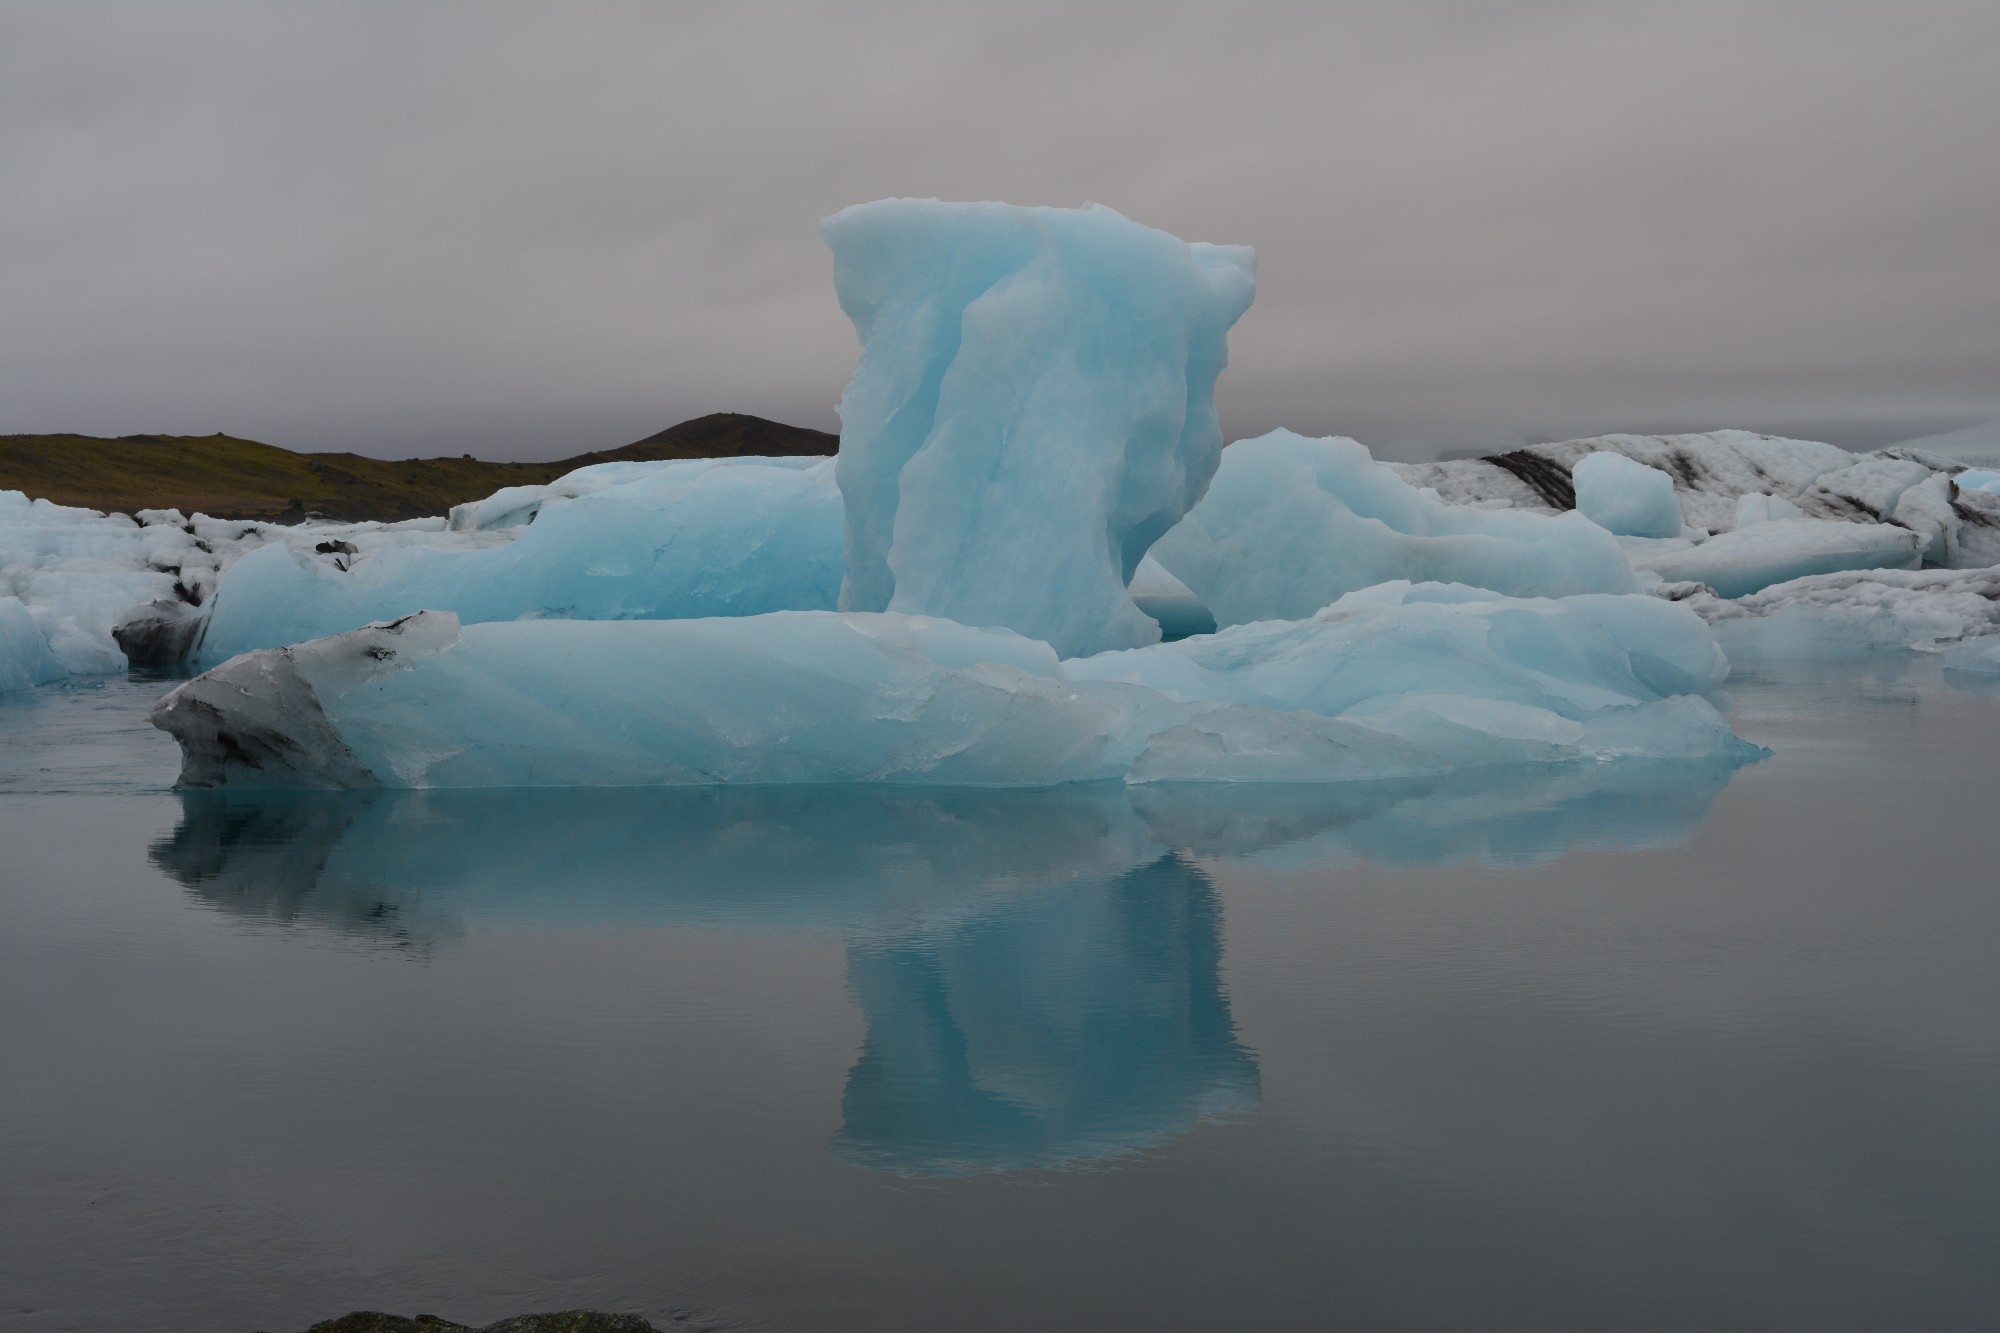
x=228, y=477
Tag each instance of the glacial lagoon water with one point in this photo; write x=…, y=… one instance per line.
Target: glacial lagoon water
x=1653, y=1047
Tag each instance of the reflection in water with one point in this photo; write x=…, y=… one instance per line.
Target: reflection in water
x=1081, y=1022
x=1039, y=971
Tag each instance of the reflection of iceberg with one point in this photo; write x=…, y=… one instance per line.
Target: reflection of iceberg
x=1083, y=1022
x=1038, y=970
x=871, y=860
x=1039, y=976
x=1492, y=818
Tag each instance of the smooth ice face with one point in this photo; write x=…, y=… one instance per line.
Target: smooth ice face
x=1034, y=406
x=713, y=537
x=1978, y=657
x=1757, y=507
x=1291, y=524
x=25, y=656
x=1738, y=563
x=1626, y=497
x=1397, y=682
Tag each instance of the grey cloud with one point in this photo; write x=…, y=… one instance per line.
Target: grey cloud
x=525, y=230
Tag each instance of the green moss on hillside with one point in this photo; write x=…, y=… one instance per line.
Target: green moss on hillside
x=234, y=478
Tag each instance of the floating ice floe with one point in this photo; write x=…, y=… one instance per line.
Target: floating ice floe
x=1928, y=610
x=1291, y=524
x=1034, y=407
x=1979, y=657
x=1738, y=563
x=1400, y=681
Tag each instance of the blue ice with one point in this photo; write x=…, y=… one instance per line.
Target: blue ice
x=1033, y=408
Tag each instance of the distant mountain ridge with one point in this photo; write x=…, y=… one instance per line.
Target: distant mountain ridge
x=228, y=477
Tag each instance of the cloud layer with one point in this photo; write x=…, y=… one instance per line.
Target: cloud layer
x=522, y=231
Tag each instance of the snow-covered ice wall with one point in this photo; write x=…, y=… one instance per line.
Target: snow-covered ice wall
x=1033, y=408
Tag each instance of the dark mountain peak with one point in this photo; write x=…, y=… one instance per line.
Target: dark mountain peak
x=723, y=435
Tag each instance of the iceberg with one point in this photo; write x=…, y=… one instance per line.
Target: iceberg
x=711, y=537
x=1754, y=507
x=73, y=575
x=1291, y=524
x=1709, y=470
x=25, y=656
x=1715, y=474
x=1626, y=497
x=1404, y=680
x=1928, y=610
x=1033, y=408
x=1738, y=563
x=1978, y=657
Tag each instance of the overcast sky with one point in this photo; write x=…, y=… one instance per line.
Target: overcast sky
x=525, y=230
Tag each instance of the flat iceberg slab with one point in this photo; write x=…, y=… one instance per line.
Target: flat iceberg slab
x=1402, y=681
x=712, y=537
x=1925, y=609
x=1736, y=564
x=1034, y=406
x=1291, y=524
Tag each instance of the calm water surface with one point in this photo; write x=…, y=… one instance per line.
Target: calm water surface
x=1648, y=1048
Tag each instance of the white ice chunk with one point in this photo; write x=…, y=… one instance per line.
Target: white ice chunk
x=1291, y=524
x=707, y=538
x=77, y=574
x=1866, y=491
x=1741, y=562
x=1978, y=514
x=1978, y=479
x=1399, y=681
x=1710, y=471
x=1756, y=507
x=1856, y=610
x=1033, y=408
x=1626, y=497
